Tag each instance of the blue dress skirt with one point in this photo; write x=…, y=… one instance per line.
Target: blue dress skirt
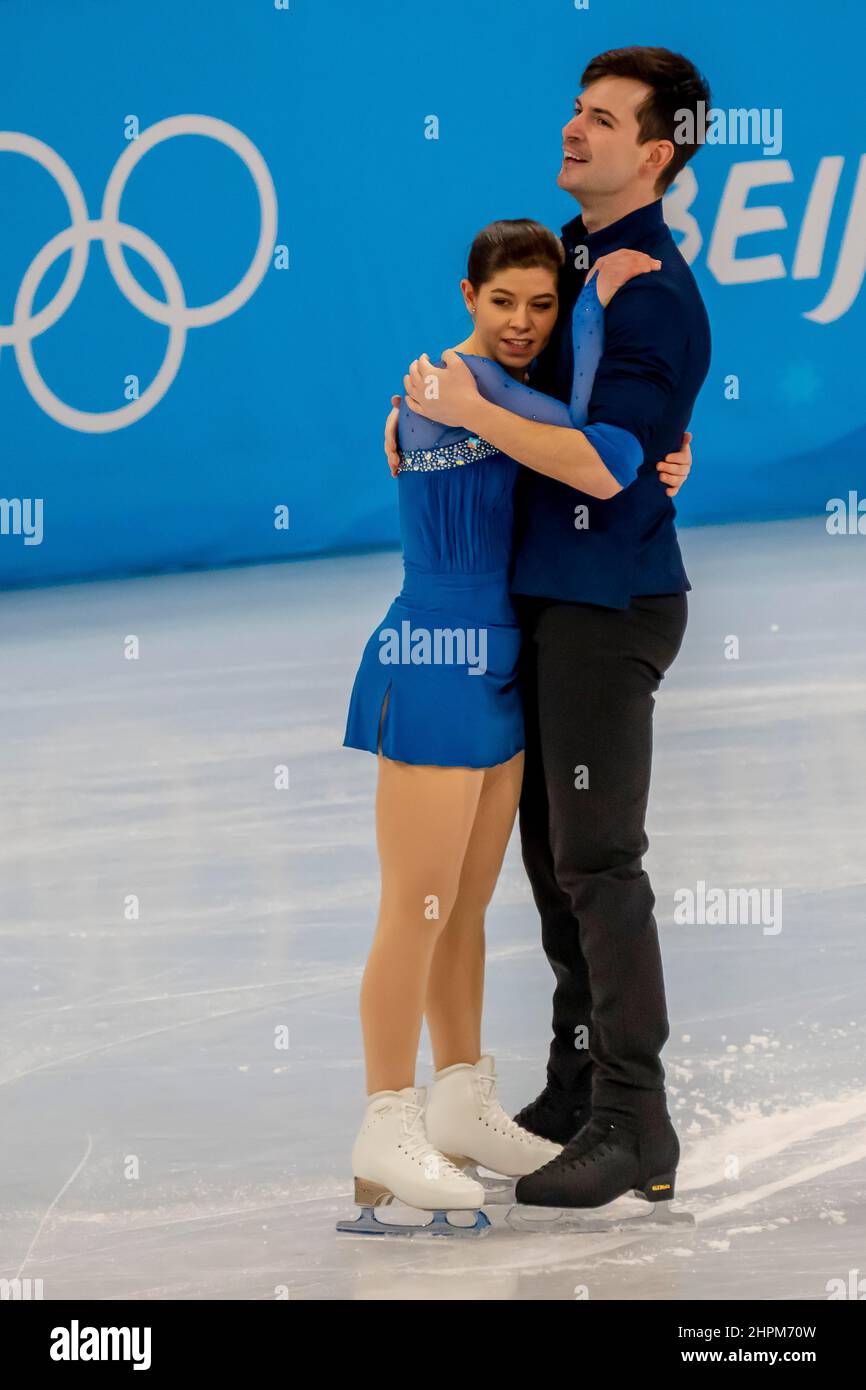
x=447, y=649
x=446, y=652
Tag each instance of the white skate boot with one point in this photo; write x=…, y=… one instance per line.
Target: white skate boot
x=466, y=1122
x=393, y=1158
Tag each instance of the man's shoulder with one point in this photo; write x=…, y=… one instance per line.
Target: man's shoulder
x=666, y=296
x=673, y=281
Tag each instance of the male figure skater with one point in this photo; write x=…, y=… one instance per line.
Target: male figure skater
x=601, y=591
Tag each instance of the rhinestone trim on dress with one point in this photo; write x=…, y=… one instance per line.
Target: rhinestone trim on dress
x=448, y=456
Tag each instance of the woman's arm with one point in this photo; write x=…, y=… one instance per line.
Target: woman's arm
x=673, y=469
x=533, y=428
x=563, y=453
x=598, y=458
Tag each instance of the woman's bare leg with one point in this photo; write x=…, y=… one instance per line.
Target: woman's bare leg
x=455, y=992
x=424, y=818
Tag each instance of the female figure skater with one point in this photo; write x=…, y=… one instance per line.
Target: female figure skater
x=436, y=698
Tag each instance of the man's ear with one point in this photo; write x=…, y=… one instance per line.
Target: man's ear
x=659, y=157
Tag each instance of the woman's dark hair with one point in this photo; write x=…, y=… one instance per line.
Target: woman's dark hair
x=519, y=242
x=676, y=86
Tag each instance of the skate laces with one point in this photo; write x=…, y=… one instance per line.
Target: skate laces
x=498, y=1116
x=417, y=1145
x=589, y=1146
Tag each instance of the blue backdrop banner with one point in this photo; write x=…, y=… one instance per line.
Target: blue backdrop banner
x=228, y=225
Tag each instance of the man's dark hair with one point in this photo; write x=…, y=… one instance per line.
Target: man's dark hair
x=676, y=86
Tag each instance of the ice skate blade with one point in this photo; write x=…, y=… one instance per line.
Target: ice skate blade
x=565, y=1221
x=368, y=1224
x=497, y=1191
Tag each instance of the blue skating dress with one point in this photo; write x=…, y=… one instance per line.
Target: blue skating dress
x=447, y=649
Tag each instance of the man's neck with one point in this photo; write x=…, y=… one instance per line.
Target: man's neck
x=601, y=212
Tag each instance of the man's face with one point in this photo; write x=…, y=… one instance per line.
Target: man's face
x=601, y=154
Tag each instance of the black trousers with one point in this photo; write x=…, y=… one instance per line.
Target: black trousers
x=589, y=677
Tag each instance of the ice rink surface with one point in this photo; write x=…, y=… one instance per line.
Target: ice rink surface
x=168, y=911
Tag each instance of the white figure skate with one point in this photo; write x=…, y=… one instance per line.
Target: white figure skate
x=393, y=1158
x=466, y=1122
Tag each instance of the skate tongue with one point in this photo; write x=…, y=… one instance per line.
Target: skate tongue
x=487, y=1066
x=415, y=1095
x=586, y=1138
x=411, y=1104
x=410, y=1095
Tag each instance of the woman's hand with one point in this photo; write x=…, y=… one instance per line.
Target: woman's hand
x=445, y=394
x=617, y=268
x=676, y=467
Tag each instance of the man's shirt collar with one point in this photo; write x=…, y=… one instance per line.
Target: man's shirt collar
x=631, y=230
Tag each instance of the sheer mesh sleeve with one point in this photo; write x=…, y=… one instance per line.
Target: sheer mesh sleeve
x=618, y=449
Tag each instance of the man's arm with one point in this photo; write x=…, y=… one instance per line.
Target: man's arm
x=631, y=393
x=673, y=470
x=392, y=436
x=599, y=460
x=559, y=452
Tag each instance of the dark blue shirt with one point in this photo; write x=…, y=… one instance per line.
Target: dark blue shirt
x=656, y=355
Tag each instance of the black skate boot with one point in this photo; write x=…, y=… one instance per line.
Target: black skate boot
x=604, y=1161
x=556, y=1114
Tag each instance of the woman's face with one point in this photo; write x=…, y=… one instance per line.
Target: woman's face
x=514, y=313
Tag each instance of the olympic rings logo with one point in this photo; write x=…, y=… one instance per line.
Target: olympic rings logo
x=114, y=234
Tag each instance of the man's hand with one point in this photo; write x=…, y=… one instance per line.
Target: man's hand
x=445, y=394
x=676, y=467
x=392, y=444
